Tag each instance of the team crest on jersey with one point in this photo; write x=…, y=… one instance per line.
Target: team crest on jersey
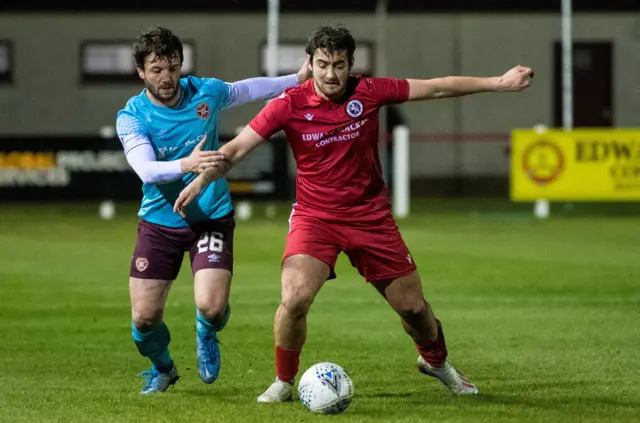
x=354, y=108
x=141, y=264
x=203, y=110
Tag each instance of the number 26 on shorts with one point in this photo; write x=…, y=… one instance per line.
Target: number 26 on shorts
x=211, y=242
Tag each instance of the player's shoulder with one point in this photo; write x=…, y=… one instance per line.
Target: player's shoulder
x=131, y=119
x=371, y=83
x=214, y=91
x=136, y=106
x=195, y=84
x=376, y=89
x=292, y=93
x=366, y=84
x=193, y=81
x=290, y=96
x=300, y=96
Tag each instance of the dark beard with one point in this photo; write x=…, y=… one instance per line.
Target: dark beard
x=163, y=99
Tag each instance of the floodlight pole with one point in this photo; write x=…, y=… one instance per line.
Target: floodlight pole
x=541, y=208
x=567, y=66
x=273, y=29
x=386, y=151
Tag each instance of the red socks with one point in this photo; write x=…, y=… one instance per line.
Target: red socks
x=435, y=353
x=287, y=362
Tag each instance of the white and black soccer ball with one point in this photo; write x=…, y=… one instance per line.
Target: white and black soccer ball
x=325, y=388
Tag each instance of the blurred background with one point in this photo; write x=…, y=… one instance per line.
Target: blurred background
x=66, y=70
x=541, y=314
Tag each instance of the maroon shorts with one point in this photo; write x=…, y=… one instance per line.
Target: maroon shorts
x=160, y=249
x=376, y=249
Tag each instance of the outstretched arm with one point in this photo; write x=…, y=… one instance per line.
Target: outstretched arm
x=264, y=88
x=261, y=88
x=232, y=152
x=515, y=79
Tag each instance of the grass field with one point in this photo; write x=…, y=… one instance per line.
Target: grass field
x=542, y=315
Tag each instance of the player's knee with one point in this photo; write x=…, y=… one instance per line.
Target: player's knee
x=146, y=320
x=212, y=311
x=297, y=294
x=411, y=307
x=297, y=306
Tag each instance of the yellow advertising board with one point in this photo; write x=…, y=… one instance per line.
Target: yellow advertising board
x=578, y=165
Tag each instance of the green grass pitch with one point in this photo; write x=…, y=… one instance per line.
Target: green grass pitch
x=544, y=316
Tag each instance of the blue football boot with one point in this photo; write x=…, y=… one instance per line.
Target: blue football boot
x=208, y=354
x=156, y=381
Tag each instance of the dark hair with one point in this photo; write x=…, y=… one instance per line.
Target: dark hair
x=332, y=39
x=157, y=41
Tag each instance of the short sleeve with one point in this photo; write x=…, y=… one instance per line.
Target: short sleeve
x=131, y=131
x=272, y=117
x=389, y=90
x=222, y=91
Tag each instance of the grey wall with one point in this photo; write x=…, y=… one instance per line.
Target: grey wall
x=47, y=97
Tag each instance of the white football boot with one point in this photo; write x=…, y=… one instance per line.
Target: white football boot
x=279, y=391
x=453, y=379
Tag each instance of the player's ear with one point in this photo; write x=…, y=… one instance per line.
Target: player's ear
x=140, y=72
x=310, y=62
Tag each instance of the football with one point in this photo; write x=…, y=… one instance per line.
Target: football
x=326, y=388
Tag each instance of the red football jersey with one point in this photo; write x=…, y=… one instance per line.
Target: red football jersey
x=335, y=145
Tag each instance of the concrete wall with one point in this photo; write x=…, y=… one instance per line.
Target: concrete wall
x=47, y=96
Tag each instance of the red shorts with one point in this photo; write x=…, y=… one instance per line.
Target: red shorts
x=376, y=249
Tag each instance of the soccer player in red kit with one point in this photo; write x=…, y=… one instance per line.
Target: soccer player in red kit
x=331, y=123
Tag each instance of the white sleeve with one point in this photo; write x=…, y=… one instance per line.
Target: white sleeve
x=141, y=155
x=143, y=161
x=261, y=88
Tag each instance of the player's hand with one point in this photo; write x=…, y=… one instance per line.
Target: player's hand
x=305, y=71
x=217, y=169
x=188, y=194
x=516, y=79
x=199, y=160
